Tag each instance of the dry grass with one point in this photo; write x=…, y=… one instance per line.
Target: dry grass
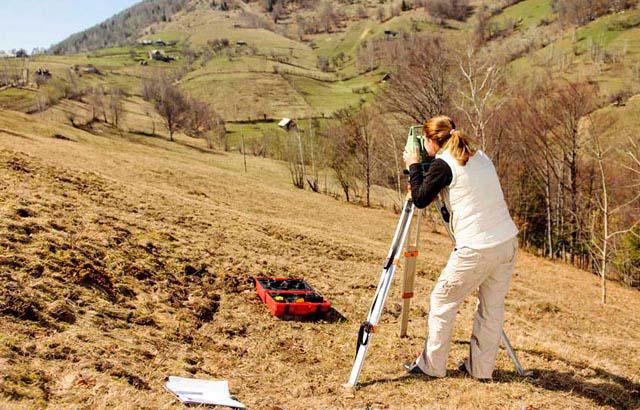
x=125, y=259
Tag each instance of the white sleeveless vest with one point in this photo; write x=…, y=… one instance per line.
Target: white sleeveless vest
x=479, y=215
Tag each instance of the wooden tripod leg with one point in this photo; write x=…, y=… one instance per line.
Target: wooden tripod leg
x=411, y=256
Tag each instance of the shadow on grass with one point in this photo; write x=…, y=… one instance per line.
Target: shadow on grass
x=162, y=138
x=598, y=385
x=332, y=316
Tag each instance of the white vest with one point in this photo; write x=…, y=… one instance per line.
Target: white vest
x=479, y=215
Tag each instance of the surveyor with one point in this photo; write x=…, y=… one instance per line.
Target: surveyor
x=484, y=253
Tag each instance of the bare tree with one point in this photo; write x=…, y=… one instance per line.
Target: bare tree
x=571, y=102
x=482, y=78
x=449, y=9
x=482, y=28
x=361, y=12
x=295, y=159
x=200, y=120
x=169, y=101
x=116, y=100
x=149, y=113
x=601, y=242
x=327, y=16
x=219, y=132
x=340, y=159
x=420, y=82
x=361, y=140
x=315, y=149
x=95, y=96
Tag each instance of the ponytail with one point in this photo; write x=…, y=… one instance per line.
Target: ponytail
x=443, y=130
x=459, y=144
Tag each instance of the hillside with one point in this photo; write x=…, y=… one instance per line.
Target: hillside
x=285, y=67
x=126, y=259
x=122, y=29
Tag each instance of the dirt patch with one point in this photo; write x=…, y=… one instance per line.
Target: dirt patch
x=24, y=213
x=16, y=302
x=61, y=311
x=204, y=308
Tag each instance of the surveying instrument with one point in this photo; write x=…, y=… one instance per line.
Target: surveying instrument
x=415, y=142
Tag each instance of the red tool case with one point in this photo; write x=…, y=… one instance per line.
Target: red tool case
x=290, y=297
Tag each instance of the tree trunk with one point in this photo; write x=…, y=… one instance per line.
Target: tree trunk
x=605, y=255
x=244, y=153
x=301, y=156
x=547, y=198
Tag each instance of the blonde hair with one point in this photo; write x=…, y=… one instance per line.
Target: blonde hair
x=443, y=130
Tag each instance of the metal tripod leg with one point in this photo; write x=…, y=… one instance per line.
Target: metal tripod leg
x=369, y=326
x=512, y=354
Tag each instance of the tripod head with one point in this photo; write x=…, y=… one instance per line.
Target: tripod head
x=416, y=141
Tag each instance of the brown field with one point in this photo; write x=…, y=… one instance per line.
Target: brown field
x=125, y=259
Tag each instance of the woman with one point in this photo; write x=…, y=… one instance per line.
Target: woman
x=485, y=249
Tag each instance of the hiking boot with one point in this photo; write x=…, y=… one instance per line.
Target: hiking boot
x=463, y=369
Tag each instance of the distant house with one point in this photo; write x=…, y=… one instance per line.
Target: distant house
x=159, y=55
x=6, y=54
x=385, y=78
x=389, y=34
x=146, y=42
x=89, y=70
x=241, y=43
x=159, y=42
x=21, y=53
x=43, y=72
x=286, y=123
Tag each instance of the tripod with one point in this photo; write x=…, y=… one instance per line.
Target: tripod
x=400, y=237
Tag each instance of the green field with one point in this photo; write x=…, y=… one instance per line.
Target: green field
x=526, y=14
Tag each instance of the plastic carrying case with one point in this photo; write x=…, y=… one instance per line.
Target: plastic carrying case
x=290, y=297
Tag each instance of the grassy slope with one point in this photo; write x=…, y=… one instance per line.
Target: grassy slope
x=526, y=14
x=105, y=228
x=570, y=53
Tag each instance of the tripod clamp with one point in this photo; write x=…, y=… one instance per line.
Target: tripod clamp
x=366, y=328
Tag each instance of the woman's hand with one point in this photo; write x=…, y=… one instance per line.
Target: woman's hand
x=411, y=158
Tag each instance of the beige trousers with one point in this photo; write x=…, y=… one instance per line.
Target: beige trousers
x=469, y=269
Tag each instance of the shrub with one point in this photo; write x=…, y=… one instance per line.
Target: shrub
x=583, y=11
x=628, y=259
x=449, y=9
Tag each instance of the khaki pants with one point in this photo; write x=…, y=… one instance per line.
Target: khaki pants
x=469, y=269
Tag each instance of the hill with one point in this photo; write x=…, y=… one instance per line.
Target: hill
x=126, y=259
x=122, y=29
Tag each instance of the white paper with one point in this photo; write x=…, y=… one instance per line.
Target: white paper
x=194, y=391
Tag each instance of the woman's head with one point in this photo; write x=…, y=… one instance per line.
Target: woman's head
x=442, y=132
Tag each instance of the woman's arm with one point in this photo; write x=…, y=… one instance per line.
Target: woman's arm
x=424, y=189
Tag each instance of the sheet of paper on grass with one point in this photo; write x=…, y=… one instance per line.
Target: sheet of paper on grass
x=194, y=391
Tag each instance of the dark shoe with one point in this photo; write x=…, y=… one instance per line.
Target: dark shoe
x=413, y=369
x=463, y=369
